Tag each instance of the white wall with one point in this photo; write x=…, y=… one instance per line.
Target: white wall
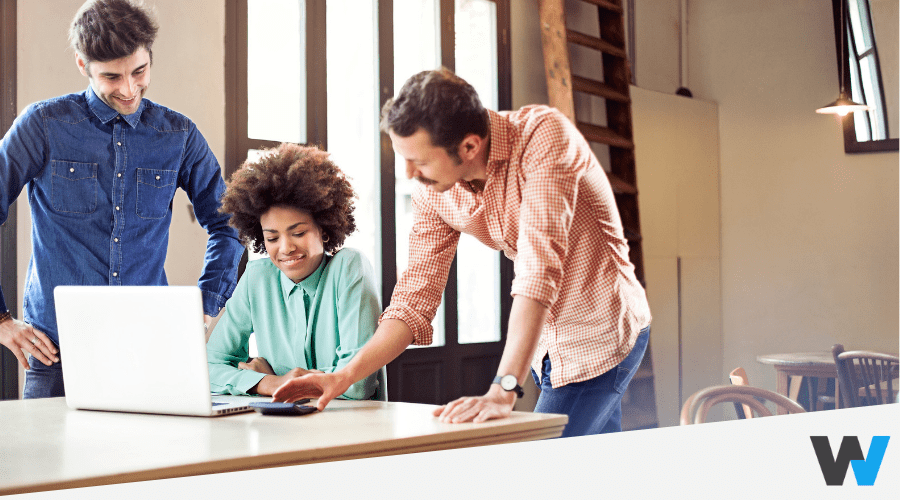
x=187, y=76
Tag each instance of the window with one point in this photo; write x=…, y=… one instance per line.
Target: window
x=417, y=47
x=274, y=76
x=865, y=73
x=349, y=58
x=478, y=270
x=352, y=121
x=866, y=30
x=276, y=70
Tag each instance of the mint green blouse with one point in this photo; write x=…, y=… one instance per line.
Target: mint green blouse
x=317, y=324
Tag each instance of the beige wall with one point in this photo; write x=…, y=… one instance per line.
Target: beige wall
x=677, y=155
x=884, y=24
x=657, y=41
x=809, y=233
x=187, y=76
x=529, y=84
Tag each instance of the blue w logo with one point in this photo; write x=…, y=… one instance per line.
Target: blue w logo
x=834, y=468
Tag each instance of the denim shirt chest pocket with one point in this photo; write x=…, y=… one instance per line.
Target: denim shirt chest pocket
x=74, y=187
x=155, y=191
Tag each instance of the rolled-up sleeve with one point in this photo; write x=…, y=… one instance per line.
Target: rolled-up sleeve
x=552, y=170
x=432, y=245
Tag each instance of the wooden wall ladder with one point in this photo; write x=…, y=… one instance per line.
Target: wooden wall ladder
x=608, y=49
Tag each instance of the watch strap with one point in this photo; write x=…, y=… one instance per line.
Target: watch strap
x=517, y=389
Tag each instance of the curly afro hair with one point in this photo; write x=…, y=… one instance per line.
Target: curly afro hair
x=298, y=177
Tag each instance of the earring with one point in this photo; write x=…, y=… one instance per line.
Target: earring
x=325, y=239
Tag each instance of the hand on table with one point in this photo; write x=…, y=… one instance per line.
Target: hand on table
x=20, y=338
x=324, y=386
x=497, y=403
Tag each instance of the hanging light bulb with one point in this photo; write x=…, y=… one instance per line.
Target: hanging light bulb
x=843, y=105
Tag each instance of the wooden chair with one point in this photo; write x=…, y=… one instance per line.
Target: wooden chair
x=865, y=377
x=697, y=406
x=739, y=377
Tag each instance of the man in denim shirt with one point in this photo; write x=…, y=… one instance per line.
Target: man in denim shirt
x=101, y=168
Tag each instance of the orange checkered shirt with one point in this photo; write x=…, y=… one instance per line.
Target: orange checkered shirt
x=548, y=205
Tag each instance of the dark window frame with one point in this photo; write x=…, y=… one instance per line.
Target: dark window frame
x=9, y=365
x=237, y=141
x=842, y=45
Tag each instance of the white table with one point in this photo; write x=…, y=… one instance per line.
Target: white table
x=44, y=445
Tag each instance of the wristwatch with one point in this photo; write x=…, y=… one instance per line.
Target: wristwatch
x=509, y=383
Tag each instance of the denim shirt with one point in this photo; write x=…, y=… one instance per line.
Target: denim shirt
x=100, y=186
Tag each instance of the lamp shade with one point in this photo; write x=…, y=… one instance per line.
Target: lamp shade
x=842, y=106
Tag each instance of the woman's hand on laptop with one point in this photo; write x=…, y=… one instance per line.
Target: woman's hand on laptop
x=21, y=338
x=324, y=386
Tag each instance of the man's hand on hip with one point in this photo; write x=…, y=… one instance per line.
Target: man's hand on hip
x=20, y=338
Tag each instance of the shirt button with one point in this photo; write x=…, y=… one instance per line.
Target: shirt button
x=115, y=274
x=119, y=143
x=157, y=177
x=116, y=240
x=71, y=170
x=117, y=208
x=118, y=175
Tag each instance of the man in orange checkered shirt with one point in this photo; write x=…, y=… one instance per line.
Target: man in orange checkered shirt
x=524, y=182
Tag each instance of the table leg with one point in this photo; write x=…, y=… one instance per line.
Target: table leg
x=782, y=381
x=837, y=393
x=796, y=382
x=812, y=385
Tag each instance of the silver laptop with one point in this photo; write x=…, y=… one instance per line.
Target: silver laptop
x=137, y=349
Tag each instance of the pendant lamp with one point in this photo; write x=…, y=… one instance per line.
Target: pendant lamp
x=844, y=104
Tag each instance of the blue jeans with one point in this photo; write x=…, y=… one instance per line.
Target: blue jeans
x=42, y=381
x=594, y=406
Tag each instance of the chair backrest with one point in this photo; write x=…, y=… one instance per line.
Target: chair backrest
x=697, y=406
x=739, y=377
x=381, y=390
x=865, y=377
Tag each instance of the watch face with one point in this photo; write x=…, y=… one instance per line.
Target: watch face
x=508, y=382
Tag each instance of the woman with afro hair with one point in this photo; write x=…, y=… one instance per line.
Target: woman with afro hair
x=311, y=304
